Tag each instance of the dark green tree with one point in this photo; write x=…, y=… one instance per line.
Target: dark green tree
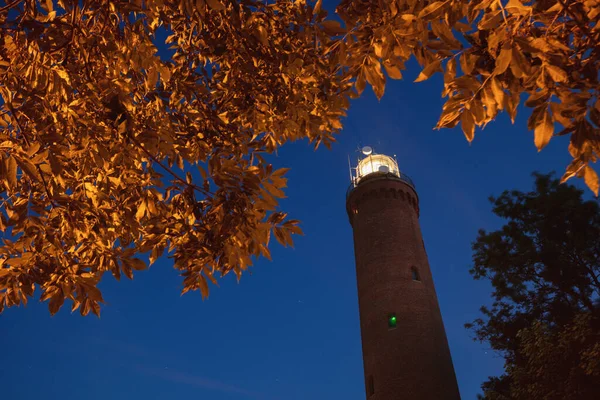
x=544, y=266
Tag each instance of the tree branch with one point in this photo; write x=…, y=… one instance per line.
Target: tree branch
x=10, y=5
x=69, y=42
x=169, y=170
x=37, y=167
x=582, y=26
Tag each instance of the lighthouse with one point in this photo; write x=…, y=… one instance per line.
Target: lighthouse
x=404, y=345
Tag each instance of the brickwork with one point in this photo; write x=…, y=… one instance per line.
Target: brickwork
x=413, y=360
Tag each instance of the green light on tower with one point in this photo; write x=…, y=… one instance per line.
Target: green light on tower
x=392, y=321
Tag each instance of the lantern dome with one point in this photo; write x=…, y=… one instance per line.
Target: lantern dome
x=376, y=164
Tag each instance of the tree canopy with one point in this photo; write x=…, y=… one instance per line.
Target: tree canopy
x=99, y=133
x=544, y=266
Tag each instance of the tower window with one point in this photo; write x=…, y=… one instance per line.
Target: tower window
x=370, y=386
x=415, y=274
x=392, y=321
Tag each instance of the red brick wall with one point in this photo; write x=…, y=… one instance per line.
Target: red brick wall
x=413, y=361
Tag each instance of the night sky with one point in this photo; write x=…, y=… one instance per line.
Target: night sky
x=290, y=329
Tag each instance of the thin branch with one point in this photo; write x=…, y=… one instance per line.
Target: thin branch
x=73, y=28
x=69, y=42
x=45, y=186
x=551, y=24
x=4, y=201
x=481, y=87
x=169, y=170
x=105, y=21
x=10, y=5
x=503, y=12
x=13, y=112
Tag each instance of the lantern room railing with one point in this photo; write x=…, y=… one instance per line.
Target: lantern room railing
x=380, y=175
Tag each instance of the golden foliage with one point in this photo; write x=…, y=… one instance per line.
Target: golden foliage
x=99, y=134
x=547, y=50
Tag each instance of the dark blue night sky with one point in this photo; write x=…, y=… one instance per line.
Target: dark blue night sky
x=290, y=329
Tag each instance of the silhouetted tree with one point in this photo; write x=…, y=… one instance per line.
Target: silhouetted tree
x=544, y=266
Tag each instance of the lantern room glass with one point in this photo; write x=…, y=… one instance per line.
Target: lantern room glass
x=377, y=163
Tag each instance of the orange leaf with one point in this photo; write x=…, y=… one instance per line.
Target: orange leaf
x=392, y=70
x=544, y=129
x=503, y=60
x=428, y=71
x=333, y=28
x=137, y=264
x=215, y=5
x=468, y=125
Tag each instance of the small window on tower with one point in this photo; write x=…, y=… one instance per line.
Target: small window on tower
x=370, y=386
x=392, y=321
x=415, y=274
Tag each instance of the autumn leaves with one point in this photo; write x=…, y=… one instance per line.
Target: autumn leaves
x=492, y=53
x=98, y=133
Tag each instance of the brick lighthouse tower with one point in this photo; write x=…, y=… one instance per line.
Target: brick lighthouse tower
x=405, y=350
